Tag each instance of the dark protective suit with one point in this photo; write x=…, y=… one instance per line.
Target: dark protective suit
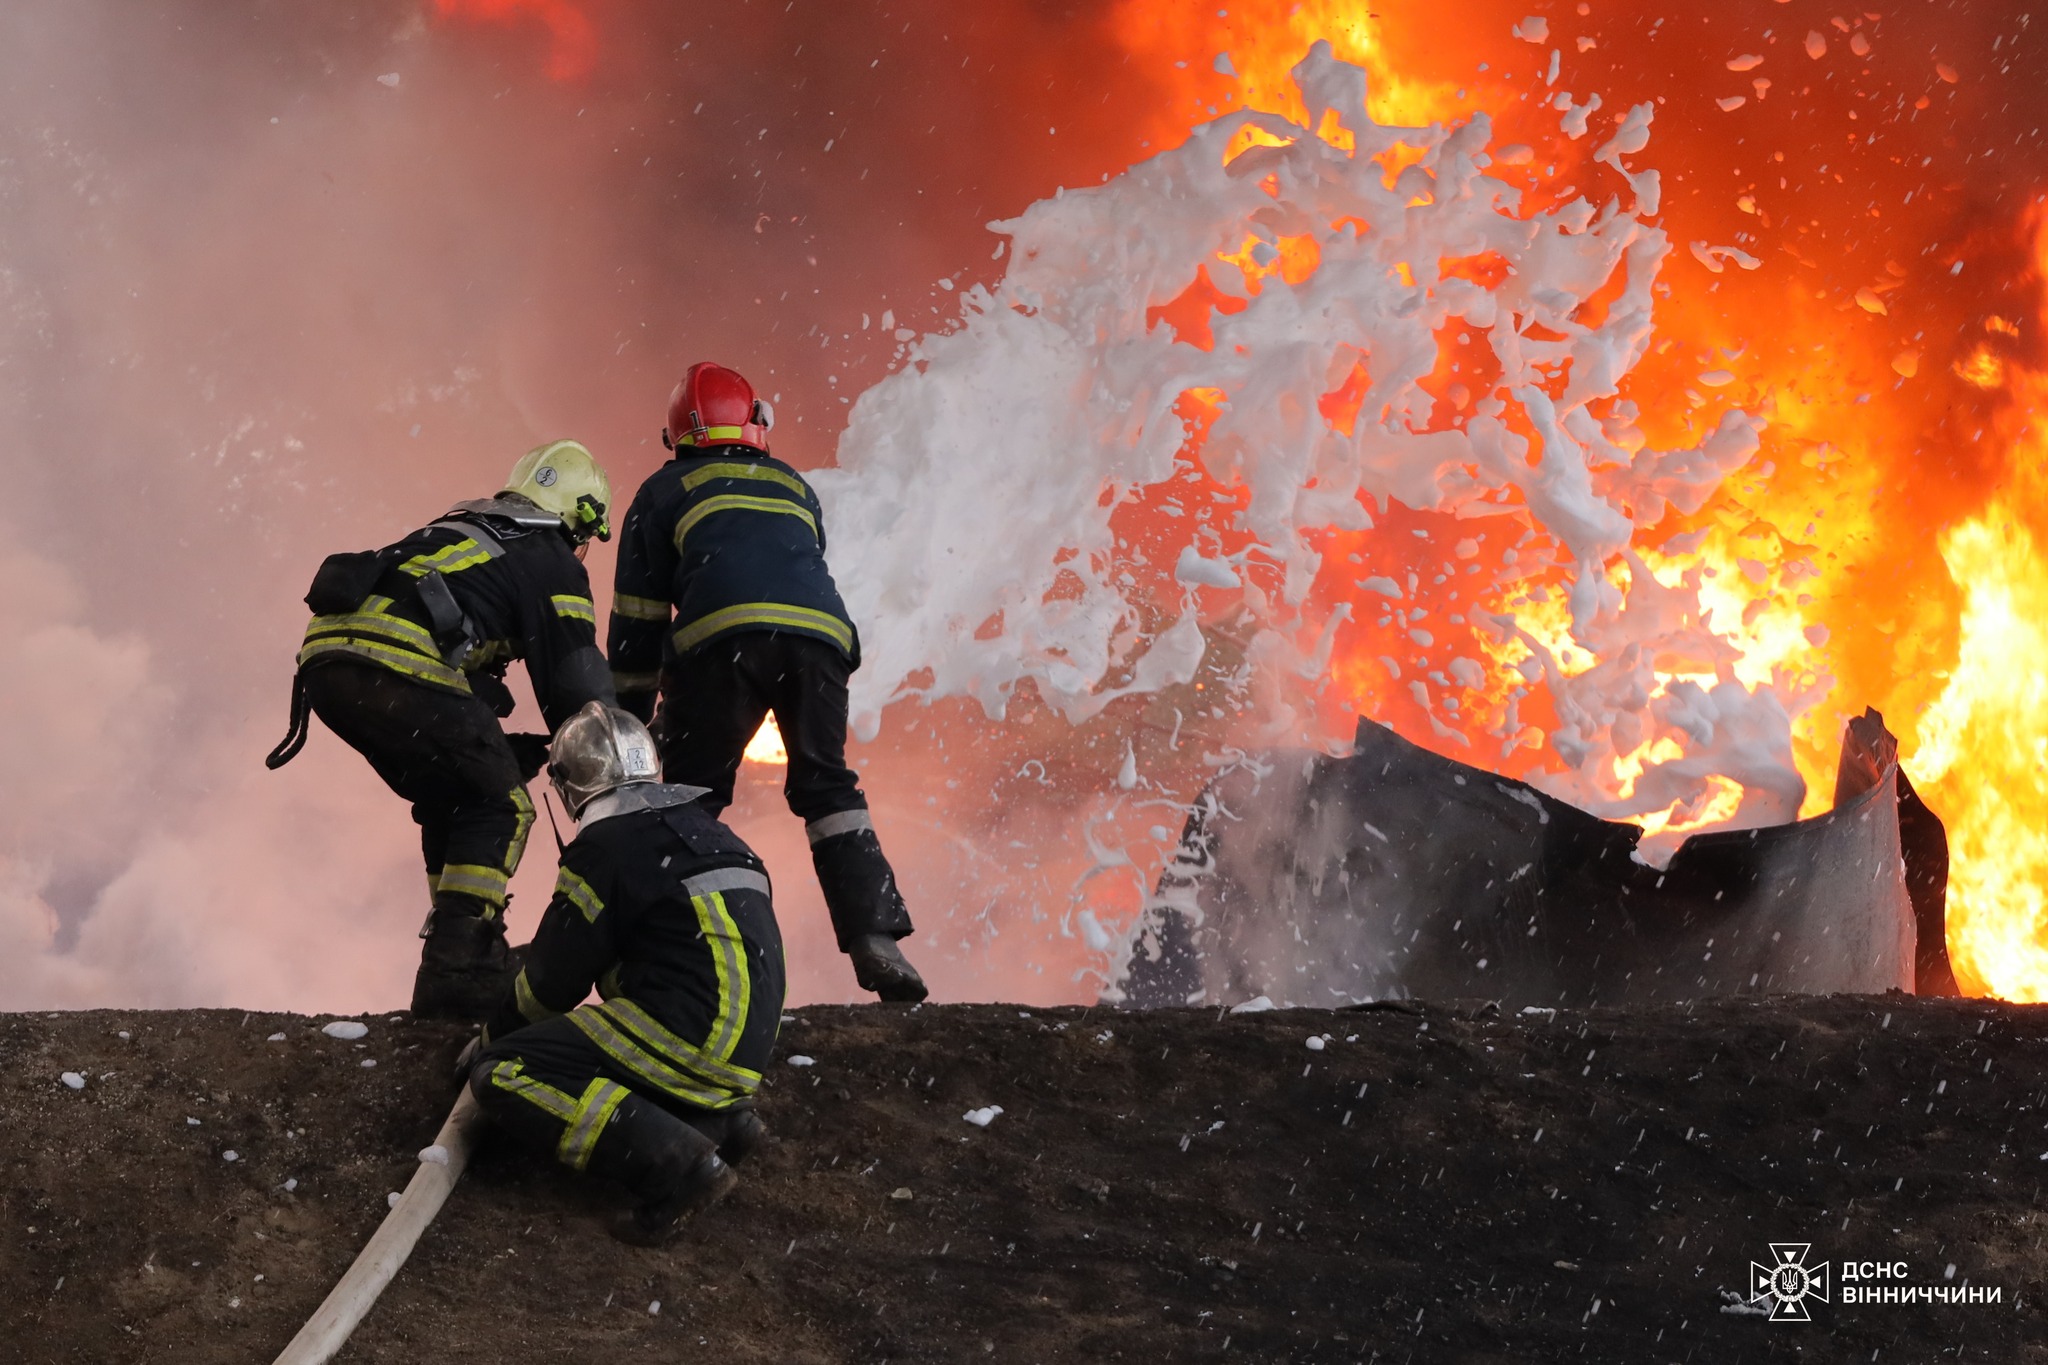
x=725, y=603
x=409, y=671
x=667, y=913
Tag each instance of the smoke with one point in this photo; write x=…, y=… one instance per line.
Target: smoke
x=280, y=282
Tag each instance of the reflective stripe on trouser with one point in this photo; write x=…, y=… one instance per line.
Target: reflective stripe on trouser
x=444, y=753
x=561, y=1094
x=487, y=882
x=859, y=885
x=841, y=822
x=583, y=1118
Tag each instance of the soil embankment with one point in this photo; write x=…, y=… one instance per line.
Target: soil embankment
x=1435, y=1183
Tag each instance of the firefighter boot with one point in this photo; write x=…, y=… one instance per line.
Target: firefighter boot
x=674, y=1171
x=868, y=913
x=879, y=966
x=465, y=967
x=738, y=1133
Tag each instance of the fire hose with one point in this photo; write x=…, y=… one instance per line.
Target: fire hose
x=327, y=1331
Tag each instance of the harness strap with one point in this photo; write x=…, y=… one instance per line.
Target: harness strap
x=295, y=737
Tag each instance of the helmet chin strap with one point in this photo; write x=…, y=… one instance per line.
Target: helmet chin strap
x=549, y=802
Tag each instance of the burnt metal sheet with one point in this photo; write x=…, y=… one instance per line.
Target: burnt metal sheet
x=1395, y=872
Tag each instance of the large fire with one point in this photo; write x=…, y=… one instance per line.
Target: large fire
x=1885, y=545
x=1809, y=571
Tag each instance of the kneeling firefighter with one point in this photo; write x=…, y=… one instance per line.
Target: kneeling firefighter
x=405, y=660
x=667, y=913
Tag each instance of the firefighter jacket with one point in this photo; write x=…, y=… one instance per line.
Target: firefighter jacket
x=453, y=603
x=667, y=913
x=729, y=540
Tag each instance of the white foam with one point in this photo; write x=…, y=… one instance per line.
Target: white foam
x=1054, y=401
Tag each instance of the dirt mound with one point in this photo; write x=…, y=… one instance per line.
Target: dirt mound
x=1432, y=1183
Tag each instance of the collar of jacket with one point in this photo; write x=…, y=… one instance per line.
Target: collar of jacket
x=518, y=513
x=637, y=796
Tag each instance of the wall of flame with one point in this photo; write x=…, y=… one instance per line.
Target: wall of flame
x=1885, y=548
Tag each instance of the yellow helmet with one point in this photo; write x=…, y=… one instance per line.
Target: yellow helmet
x=562, y=477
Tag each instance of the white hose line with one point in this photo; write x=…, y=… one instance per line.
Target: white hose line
x=327, y=1331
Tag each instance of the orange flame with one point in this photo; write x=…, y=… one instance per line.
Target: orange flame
x=1825, y=561
x=572, y=38
x=766, y=745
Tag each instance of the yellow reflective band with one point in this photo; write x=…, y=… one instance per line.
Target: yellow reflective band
x=506, y=1076
x=711, y=435
x=530, y=1007
x=639, y=608
x=771, y=614
x=647, y=1030
x=735, y=502
x=463, y=554
x=735, y=469
x=623, y=682
x=378, y=624
x=600, y=1099
x=577, y=892
x=572, y=608
x=487, y=884
x=646, y=1065
x=735, y=986
x=397, y=660
x=521, y=827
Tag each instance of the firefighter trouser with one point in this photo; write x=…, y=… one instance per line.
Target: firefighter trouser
x=556, y=1090
x=445, y=753
x=713, y=699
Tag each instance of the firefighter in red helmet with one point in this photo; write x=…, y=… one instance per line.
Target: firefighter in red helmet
x=725, y=608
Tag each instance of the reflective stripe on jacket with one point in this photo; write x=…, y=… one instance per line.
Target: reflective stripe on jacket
x=667, y=914
x=716, y=543
x=521, y=594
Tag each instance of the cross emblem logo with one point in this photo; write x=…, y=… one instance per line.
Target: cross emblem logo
x=1788, y=1282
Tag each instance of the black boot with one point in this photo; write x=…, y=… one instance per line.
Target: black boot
x=465, y=967
x=879, y=966
x=674, y=1171
x=868, y=913
x=740, y=1133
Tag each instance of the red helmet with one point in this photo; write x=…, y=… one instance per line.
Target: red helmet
x=714, y=406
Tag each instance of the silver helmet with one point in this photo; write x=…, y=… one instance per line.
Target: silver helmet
x=599, y=749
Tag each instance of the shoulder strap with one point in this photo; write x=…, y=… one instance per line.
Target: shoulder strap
x=486, y=539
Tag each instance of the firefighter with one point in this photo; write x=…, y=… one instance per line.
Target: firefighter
x=724, y=604
x=667, y=913
x=405, y=661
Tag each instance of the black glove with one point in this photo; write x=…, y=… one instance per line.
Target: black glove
x=467, y=1059
x=530, y=752
x=488, y=686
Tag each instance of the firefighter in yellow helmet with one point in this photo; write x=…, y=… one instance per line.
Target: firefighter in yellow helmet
x=405, y=660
